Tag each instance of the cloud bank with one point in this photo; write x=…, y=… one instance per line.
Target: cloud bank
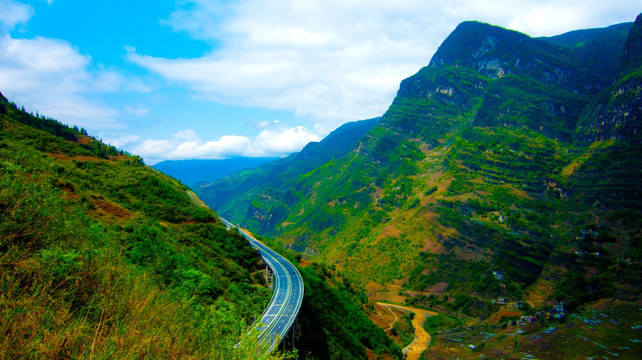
x=187, y=144
x=13, y=13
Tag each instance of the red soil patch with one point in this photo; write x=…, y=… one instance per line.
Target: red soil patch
x=496, y=317
x=383, y=317
x=66, y=157
x=389, y=231
x=372, y=356
x=109, y=209
x=432, y=247
x=386, y=293
x=70, y=192
x=439, y=288
x=84, y=139
x=304, y=263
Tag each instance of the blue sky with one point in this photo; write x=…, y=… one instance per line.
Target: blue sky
x=178, y=79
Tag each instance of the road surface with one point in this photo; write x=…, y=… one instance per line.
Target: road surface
x=279, y=316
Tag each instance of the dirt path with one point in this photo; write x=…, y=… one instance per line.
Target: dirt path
x=422, y=338
x=392, y=323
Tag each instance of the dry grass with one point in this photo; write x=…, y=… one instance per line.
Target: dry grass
x=105, y=311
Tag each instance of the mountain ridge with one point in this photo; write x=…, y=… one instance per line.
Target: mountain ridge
x=193, y=171
x=477, y=161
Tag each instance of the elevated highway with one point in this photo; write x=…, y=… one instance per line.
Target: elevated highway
x=279, y=316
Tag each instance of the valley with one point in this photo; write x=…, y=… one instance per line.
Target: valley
x=421, y=339
x=492, y=211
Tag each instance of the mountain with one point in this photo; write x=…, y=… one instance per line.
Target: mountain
x=103, y=256
x=280, y=175
x=191, y=172
x=508, y=168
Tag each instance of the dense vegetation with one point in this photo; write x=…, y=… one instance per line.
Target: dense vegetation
x=333, y=322
x=102, y=256
x=507, y=168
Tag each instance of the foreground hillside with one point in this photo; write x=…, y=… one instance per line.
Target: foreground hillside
x=101, y=256
x=506, y=171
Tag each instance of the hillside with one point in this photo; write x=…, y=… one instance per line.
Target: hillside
x=103, y=256
x=507, y=168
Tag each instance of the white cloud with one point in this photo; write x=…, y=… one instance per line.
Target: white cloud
x=337, y=60
x=545, y=17
x=13, y=13
x=283, y=141
x=122, y=141
x=186, y=144
x=153, y=149
x=327, y=61
x=317, y=59
x=51, y=77
x=187, y=135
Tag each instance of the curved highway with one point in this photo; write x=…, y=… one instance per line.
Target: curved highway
x=279, y=316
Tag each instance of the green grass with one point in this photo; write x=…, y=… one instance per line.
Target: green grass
x=440, y=322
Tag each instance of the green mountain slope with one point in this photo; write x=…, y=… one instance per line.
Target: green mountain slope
x=232, y=196
x=599, y=50
x=101, y=256
x=486, y=163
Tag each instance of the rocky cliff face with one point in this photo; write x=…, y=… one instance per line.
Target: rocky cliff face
x=496, y=52
x=632, y=58
x=617, y=111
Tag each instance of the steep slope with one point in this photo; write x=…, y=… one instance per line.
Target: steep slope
x=333, y=323
x=610, y=174
x=480, y=180
x=102, y=256
x=599, y=50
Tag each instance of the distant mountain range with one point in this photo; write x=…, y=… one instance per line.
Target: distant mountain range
x=336, y=144
x=281, y=174
x=506, y=154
